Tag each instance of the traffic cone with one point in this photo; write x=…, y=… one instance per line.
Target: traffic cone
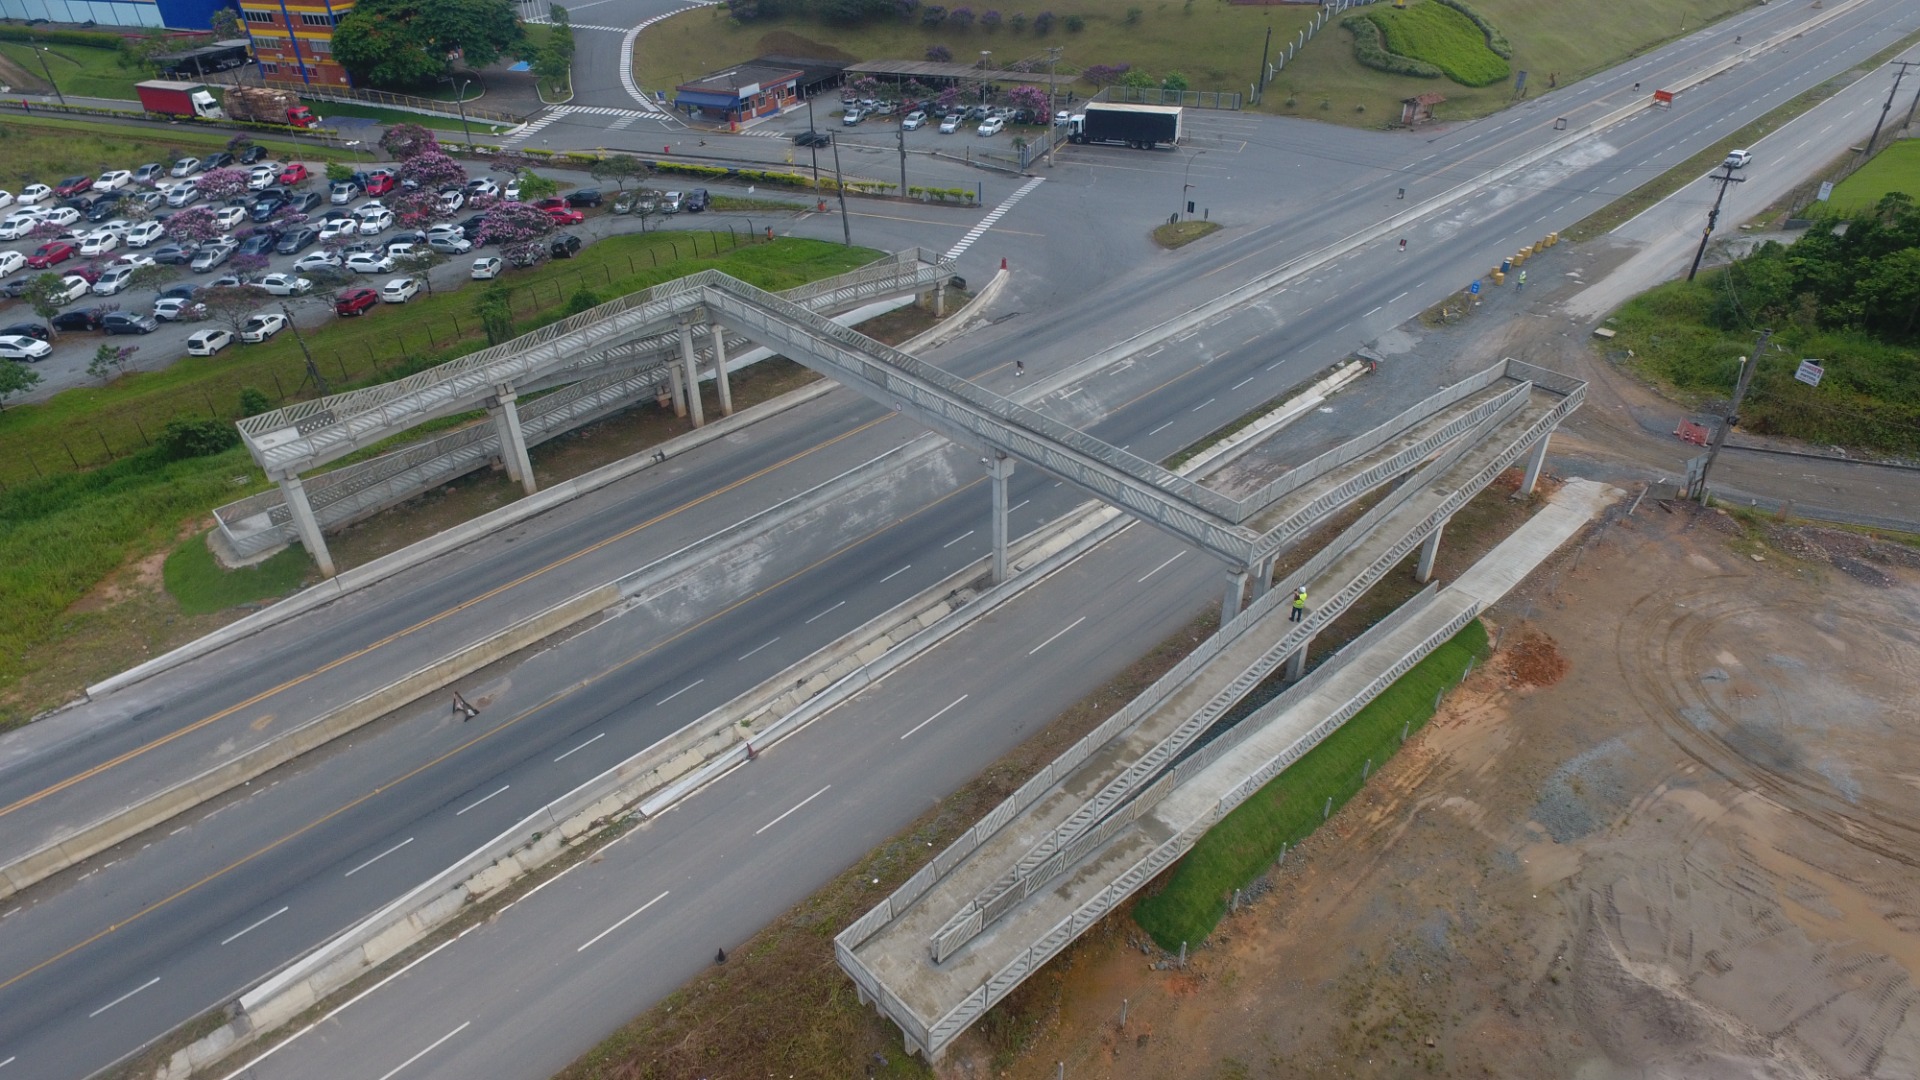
x=1003, y=262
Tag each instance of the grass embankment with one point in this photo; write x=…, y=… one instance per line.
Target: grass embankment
x=1291, y=806
x=482, y=129
x=79, y=70
x=1896, y=168
x=68, y=532
x=1179, y=234
x=200, y=585
x=44, y=149
x=1215, y=45
x=1436, y=34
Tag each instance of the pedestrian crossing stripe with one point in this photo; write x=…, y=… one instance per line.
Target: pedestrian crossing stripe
x=987, y=222
x=560, y=112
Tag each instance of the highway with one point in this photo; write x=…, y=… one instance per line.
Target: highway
x=199, y=914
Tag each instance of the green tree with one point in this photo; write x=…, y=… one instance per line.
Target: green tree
x=338, y=173
x=554, y=62
x=110, y=361
x=44, y=294
x=254, y=401
x=197, y=438
x=403, y=42
x=1891, y=292
x=16, y=378
x=533, y=186
x=1138, y=78
x=495, y=308
x=618, y=168
x=418, y=262
x=226, y=24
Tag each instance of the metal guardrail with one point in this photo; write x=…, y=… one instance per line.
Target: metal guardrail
x=355, y=95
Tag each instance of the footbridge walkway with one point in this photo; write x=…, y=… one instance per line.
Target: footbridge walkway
x=1136, y=793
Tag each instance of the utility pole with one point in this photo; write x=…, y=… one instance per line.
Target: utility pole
x=313, y=369
x=464, y=83
x=1713, y=216
x=813, y=143
x=42, y=51
x=900, y=132
x=840, y=185
x=1260, y=77
x=1888, y=107
x=1053, y=129
x=1733, y=413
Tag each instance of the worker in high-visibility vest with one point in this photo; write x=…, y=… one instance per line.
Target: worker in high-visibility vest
x=1299, y=605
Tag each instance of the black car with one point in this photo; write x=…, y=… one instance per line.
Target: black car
x=216, y=161
x=470, y=228
x=414, y=237
x=105, y=206
x=252, y=153
x=564, y=246
x=265, y=207
x=180, y=292
x=697, y=201
x=79, y=321
x=813, y=138
x=585, y=197
x=27, y=329
x=300, y=239
x=129, y=322
x=260, y=243
x=175, y=254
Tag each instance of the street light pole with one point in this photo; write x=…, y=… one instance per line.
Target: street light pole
x=813, y=144
x=1053, y=131
x=42, y=50
x=1185, y=186
x=464, y=83
x=840, y=185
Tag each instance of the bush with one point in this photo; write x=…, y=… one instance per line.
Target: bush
x=583, y=299
x=1369, y=47
x=1440, y=36
x=253, y=402
x=1075, y=23
x=182, y=439
x=1017, y=21
x=90, y=39
x=1043, y=22
x=939, y=54
x=933, y=15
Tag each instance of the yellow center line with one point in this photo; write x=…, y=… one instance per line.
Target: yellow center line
x=144, y=748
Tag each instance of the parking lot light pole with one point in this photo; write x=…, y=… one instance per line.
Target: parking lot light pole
x=462, y=101
x=1185, y=186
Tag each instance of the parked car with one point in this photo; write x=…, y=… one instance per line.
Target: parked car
x=86, y=273
x=991, y=126
x=339, y=227
x=149, y=173
x=913, y=120
x=261, y=177
x=215, y=161
x=17, y=226
x=374, y=221
x=81, y=321
x=229, y=217
x=286, y=285
x=131, y=260
x=144, y=233
x=52, y=254
x=260, y=243
x=698, y=201
x=450, y=244
x=355, y=301
x=623, y=203
x=213, y=255
x=670, y=202
x=104, y=207
x=379, y=182
x=296, y=240
x=11, y=262
x=452, y=201
x=178, y=309
x=182, y=194
x=112, y=280
x=294, y=173
x=342, y=192
x=208, y=342
x=318, y=260
x=512, y=190
x=260, y=327
x=35, y=193
x=72, y=185
x=266, y=206
x=564, y=246
x=72, y=287
x=303, y=202
x=20, y=347
x=30, y=329
x=585, y=197
x=98, y=242
x=487, y=267
x=129, y=322
x=482, y=185
x=176, y=254
x=252, y=153
x=399, y=290
x=367, y=262
x=470, y=228
x=147, y=201
x=62, y=215
x=949, y=124
x=184, y=167
x=564, y=216
x=852, y=117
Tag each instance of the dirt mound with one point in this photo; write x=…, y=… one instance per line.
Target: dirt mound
x=788, y=43
x=1855, y=554
x=1533, y=660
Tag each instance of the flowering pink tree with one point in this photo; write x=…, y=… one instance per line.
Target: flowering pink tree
x=433, y=170
x=221, y=183
x=48, y=230
x=194, y=225
x=408, y=141
x=948, y=98
x=414, y=209
x=516, y=227
x=248, y=265
x=1026, y=96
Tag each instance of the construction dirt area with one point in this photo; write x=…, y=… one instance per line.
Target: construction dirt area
x=1671, y=829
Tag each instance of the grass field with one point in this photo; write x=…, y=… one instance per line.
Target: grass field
x=1896, y=168
x=47, y=148
x=1215, y=45
x=79, y=70
x=201, y=585
x=1246, y=842
x=1442, y=37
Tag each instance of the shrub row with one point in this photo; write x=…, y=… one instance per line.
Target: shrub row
x=1370, y=48
x=961, y=195
x=1496, y=40
x=89, y=38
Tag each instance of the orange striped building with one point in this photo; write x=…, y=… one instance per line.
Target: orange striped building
x=293, y=41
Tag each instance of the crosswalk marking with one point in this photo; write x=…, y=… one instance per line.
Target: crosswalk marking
x=624, y=119
x=987, y=222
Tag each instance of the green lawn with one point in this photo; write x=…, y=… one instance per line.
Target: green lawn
x=48, y=148
x=1443, y=37
x=1896, y=168
x=1215, y=45
x=1290, y=807
x=201, y=585
x=79, y=70
x=482, y=129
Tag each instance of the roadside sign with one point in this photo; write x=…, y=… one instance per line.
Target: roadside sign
x=1810, y=372
x=1826, y=190
x=1474, y=289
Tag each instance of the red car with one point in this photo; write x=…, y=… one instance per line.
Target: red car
x=48, y=254
x=73, y=185
x=355, y=301
x=563, y=216
x=379, y=183
x=293, y=173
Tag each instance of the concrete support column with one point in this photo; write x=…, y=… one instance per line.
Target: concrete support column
x=306, y=524
x=1297, y=663
x=692, y=375
x=720, y=377
x=1262, y=579
x=1534, y=463
x=1236, y=597
x=513, y=441
x=676, y=387
x=1000, y=468
x=1428, y=552
x=940, y=300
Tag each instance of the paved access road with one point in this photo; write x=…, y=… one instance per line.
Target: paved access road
x=170, y=960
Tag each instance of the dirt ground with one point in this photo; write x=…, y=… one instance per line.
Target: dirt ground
x=1669, y=831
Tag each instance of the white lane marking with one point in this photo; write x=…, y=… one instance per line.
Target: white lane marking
x=896, y=573
x=678, y=692
x=347, y=1004
x=254, y=927
x=796, y=806
x=123, y=997
x=480, y=800
x=1369, y=313
x=935, y=716
x=378, y=857
x=957, y=539
x=827, y=612
x=1056, y=636
x=1159, y=568
x=581, y=747
x=1018, y=505
x=757, y=648
x=1204, y=404
x=1399, y=298
x=621, y=923
x=4, y=1064
x=1160, y=429
x=1242, y=382
x=435, y=1045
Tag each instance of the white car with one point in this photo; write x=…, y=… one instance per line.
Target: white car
x=98, y=242
x=369, y=262
x=34, y=193
x=317, y=260
x=913, y=120
x=72, y=287
x=184, y=167
x=343, y=192
x=286, y=285
x=452, y=201
x=144, y=233
x=17, y=226
x=512, y=190
x=229, y=217
x=22, y=347
x=480, y=185
x=259, y=328
x=182, y=194
x=62, y=215
x=262, y=177
x=113, y=280
x=10, y=262
x=339, y=227
x=949, y=125
x=113, y=180
x=375, y=220
x=991, y=126
x=487, y=267
x=6, y=199
x=176, y=308
x=118, y=227
x=208, y=342
x=1738, y=159
x=131, y=261
x=399, y=290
